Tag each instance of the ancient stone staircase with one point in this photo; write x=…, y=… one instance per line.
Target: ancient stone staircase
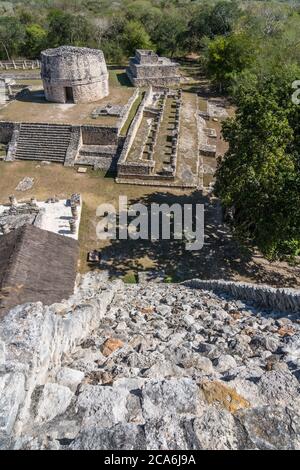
x=149, y=366
x=43, y=142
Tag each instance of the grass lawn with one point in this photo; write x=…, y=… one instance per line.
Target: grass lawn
x=118, y=77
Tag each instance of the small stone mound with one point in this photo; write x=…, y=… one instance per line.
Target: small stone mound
x=26, y=184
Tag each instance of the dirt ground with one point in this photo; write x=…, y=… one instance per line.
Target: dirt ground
x=221, y=256
x=32, y=107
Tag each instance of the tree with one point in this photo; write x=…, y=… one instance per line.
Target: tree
x=169, y=32
x=80, y=30
x=212, y=20
x=11, y=36
x=144, y=12
x=135, y=37
x=223, y=17
x=59, y=30
x=65, y=28
x=35, y=40
x=258, y=180
x=227, y=56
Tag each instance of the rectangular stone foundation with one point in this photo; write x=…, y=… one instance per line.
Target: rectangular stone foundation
x=147, y=68
x=164, y=82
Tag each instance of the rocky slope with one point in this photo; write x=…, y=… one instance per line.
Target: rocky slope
x=149, y=367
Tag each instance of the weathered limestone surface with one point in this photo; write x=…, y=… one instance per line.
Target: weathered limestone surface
x=283, y=299
x=147, y=68
x=80, y=69
x=153, y=366
x=6, y=132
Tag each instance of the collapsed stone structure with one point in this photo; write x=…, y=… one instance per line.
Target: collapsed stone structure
x=16, y=216
x=74, y=74
x=9, y=89
x=156, y=366
x=153, y=110
x=147, y=68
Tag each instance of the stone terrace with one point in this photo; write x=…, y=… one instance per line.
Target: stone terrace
x=172, y=139
x=33, y=107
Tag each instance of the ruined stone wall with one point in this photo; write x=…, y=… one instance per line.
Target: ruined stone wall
x=287, y=300
x=146, y=68
x=71, y=376
x=138, y=169
x=81, y=93
x=158, y=81
x=106, y=163
x=104, y=157
x=124, y=168
x=82, y=69
x=73, y=149
x=6, y=132
x=146, y=57
x=98, y=135
x=49, y=338
x=80, y=135
x=12, y=147
x=157, y=71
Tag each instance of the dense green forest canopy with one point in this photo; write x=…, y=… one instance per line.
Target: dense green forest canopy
x=172, y=27
x=249, y=50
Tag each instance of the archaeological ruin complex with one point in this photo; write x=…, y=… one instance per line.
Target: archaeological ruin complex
x=74, y=74
x=147, y=68
x=152, y=133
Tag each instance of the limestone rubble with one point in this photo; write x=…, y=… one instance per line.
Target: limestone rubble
x=155, y=366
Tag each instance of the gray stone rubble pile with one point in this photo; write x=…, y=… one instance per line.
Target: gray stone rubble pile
x=153, y=366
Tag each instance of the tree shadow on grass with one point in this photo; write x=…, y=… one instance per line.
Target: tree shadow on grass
x=123, y=79
x=220, y=258
x=32, y=96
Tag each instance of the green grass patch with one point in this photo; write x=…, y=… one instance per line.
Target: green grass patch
x=130, y=278
x=118, y=77
x=132, y=113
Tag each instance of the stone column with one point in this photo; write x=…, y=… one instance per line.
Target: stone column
x=33, y=201
x=72, y=223
x=74, y=210
x=75, y=198
x=13, y=200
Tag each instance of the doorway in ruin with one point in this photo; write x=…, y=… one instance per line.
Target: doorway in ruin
x=69, y=94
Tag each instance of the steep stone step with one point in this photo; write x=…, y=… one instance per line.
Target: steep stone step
x=43, y=147
x=40, y=154
x=97, y=150
x=43, y=142
x=34, y=155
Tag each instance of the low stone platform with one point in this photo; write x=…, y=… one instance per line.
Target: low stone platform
x=162, y=146
x=51, y=216
x=147, y=68
x=33, y=107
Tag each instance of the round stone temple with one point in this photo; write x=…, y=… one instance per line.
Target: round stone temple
x=74, y=74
